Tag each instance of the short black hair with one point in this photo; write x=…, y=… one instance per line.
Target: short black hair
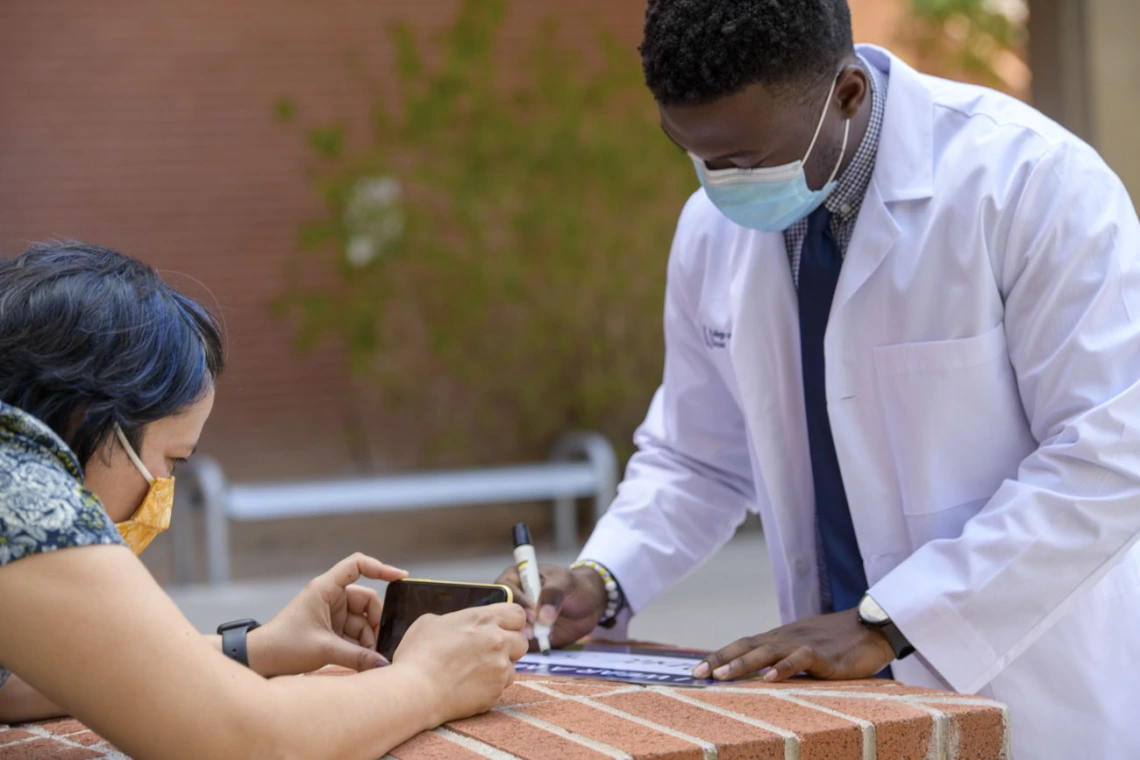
x=90, y=338
x=698, y=51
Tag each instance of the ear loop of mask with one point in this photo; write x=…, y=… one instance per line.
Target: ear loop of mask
x=819, y=128
x=142, y=468
x=842, y=151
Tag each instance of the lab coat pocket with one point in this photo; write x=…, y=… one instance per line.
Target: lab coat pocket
x=954, y=423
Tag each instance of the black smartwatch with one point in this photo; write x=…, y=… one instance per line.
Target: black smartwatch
x=873, y=616
x=233, y=636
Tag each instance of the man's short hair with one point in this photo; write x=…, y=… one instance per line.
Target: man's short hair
x=698, y=51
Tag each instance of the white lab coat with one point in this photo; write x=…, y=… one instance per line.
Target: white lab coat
x=983, y=359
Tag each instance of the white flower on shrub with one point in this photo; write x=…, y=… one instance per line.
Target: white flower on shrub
x=373, y=219
x=1016, y=11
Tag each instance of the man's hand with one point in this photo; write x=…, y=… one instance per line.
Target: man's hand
x=331, y=622
x=832, y=647
x=571, y=601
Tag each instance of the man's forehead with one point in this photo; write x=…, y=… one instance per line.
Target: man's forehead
x=745, y=122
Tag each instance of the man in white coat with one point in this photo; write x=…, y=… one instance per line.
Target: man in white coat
x=902, y=323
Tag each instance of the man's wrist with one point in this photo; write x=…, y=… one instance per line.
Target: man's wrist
x=875, y=618
x=596, y=585
x=878, y=637
x=613, y=596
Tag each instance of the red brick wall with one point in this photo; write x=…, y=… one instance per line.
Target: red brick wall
x=541, y=719
x=147, y=127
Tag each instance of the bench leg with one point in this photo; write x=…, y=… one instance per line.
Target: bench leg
x=182, y=538
x=565, y=524
x=217, y=545
x=214, y=493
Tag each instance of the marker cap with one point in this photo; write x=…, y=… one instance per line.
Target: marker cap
x=522, y=535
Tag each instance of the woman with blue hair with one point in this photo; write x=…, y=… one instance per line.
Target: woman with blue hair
x=107, y=377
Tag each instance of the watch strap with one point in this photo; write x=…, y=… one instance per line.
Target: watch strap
x=234, y=639
x=873, y=616
x=899, y=644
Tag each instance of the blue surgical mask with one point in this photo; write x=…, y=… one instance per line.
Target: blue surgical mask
x=773, y=198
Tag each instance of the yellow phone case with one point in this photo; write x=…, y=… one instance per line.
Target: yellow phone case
x=463, y=584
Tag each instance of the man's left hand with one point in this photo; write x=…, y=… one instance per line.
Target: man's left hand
x=832, y=647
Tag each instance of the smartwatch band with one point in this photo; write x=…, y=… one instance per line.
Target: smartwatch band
x=234, y=635
x=902, y=648
x=873, y=616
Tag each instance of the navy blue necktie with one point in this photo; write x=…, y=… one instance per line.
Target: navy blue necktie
x=820, y=262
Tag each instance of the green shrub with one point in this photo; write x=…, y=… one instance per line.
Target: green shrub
x=499, y=246
x=972, y=33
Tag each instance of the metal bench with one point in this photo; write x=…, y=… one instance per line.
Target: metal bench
x=581, y=465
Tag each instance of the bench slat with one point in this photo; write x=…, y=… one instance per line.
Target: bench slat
x=420, y=491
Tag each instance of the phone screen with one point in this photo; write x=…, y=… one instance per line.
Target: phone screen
x=405, y=601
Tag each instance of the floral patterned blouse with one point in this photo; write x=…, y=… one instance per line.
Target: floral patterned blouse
x=43, y=503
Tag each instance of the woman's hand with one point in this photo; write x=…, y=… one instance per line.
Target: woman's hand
x=468, y=656
x=331, y=622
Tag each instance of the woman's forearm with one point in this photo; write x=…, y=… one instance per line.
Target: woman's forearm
x=166, y=694
x=20, y=703
x=263, y=658
x=314, y=717
x=358, y=716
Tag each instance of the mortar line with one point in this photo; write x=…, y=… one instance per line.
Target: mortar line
x=625, y=689
x=585, y=741
x=907, y=698
x=474, y=745
x=708, y=749
x=952, y=700
x=43, y=733
x=791, y=740
x=866, y=727
x=927, y=700
x=939, y=743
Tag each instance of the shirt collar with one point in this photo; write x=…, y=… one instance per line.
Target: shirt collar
x=844, y=202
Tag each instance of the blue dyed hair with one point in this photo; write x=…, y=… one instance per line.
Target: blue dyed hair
x=90, y=338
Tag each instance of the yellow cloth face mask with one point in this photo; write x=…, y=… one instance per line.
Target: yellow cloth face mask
x=153, y=515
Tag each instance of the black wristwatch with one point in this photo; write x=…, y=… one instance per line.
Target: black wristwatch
x=873, y=616
x=234, y=635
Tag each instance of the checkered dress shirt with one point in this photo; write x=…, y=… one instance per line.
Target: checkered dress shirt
x=847, y=198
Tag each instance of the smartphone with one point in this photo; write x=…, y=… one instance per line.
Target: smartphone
x=406, y=600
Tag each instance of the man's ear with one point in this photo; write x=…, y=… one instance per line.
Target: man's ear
x=852, y=89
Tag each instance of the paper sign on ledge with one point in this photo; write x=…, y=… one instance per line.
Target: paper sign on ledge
x=635, y=665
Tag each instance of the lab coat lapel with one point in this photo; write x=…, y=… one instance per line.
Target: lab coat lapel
x=875, y=234
x=904, y=171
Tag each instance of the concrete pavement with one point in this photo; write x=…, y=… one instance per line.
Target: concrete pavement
x=731, y=596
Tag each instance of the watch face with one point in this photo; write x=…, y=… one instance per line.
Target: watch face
x=871, y=613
